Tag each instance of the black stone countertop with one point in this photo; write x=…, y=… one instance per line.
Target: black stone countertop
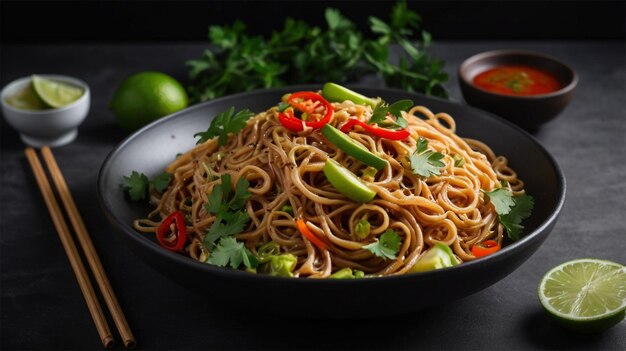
x=42, y=307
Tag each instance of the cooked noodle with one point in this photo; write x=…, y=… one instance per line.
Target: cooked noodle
x=285, y=168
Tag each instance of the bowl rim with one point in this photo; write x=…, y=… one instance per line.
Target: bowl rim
x=518, y=52
x=22, y=80
x=233, y=274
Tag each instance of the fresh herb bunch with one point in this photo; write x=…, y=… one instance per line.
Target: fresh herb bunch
x=301, y=53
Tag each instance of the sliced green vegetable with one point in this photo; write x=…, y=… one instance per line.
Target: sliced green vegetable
x=347, y=273
x=352, y=148
x=439, y=256
x=278, y=265
x=346, y=182
x=273, y=263
x=337, y=93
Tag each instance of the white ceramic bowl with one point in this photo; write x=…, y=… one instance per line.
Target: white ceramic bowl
x=52, y=127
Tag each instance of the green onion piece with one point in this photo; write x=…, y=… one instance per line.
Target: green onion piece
x=362, y=229
x=459, y=161
x=344, y=273
x=347, y=273
x=288, y=209
x=369, y=173
x=269, y=249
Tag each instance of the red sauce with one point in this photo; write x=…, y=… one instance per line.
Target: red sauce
x=517, y=80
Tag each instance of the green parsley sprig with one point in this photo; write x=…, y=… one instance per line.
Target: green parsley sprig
x=231, y=252
x=381, y=111
x=301, y=53
x=511, y=210
x=225, y=123
x=230, y=218
x=425, y=162
x=136, y=185
x=387, y=246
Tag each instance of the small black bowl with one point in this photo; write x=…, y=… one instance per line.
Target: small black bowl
x=150, y=149
x=528, y=111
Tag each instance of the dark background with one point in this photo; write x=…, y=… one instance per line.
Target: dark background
x=113, y=21
x=41, y=306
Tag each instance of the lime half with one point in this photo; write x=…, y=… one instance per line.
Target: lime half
x=55, y=94
x=25, y=99
x=585, y=295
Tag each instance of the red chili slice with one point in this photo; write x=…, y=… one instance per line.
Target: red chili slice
x=380, y=132
x=485, y=248
x=181, y=231
x=297, y=100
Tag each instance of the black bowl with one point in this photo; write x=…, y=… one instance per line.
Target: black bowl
x=150, y=149
x=529, y=111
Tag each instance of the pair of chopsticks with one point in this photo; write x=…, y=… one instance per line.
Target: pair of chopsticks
x=72, y=253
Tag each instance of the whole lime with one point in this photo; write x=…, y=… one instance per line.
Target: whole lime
x=145, y=97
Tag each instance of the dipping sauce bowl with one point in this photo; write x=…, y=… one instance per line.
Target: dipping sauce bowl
x=528, y=111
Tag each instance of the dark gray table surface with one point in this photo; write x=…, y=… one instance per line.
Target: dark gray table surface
x=42, y=307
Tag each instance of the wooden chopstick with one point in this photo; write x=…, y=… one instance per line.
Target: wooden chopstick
x=90, y=252
x=72, y=252
x=70, y=249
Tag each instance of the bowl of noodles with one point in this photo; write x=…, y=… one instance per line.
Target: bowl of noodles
x=346, y=199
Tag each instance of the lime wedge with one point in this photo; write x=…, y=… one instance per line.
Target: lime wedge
x=585, y=295
x=55, y=94
x=25, y=99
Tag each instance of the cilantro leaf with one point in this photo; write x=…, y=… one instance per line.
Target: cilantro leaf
x=136, y=185
x=511, y=210
x=229, y=250
x=387, y=245
x=397, y=107
x=422, y=145
x=379, y=114
x=214, y=233
x=512, y=220
x=230, y=216
x=214, y=204
x=401, y=122
x=227, y=122
x=241, y=194
x=226, y=223
x=161, y=181
x=381, y=111
x=235, y=222
x=425, y=162
x=502, y=200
